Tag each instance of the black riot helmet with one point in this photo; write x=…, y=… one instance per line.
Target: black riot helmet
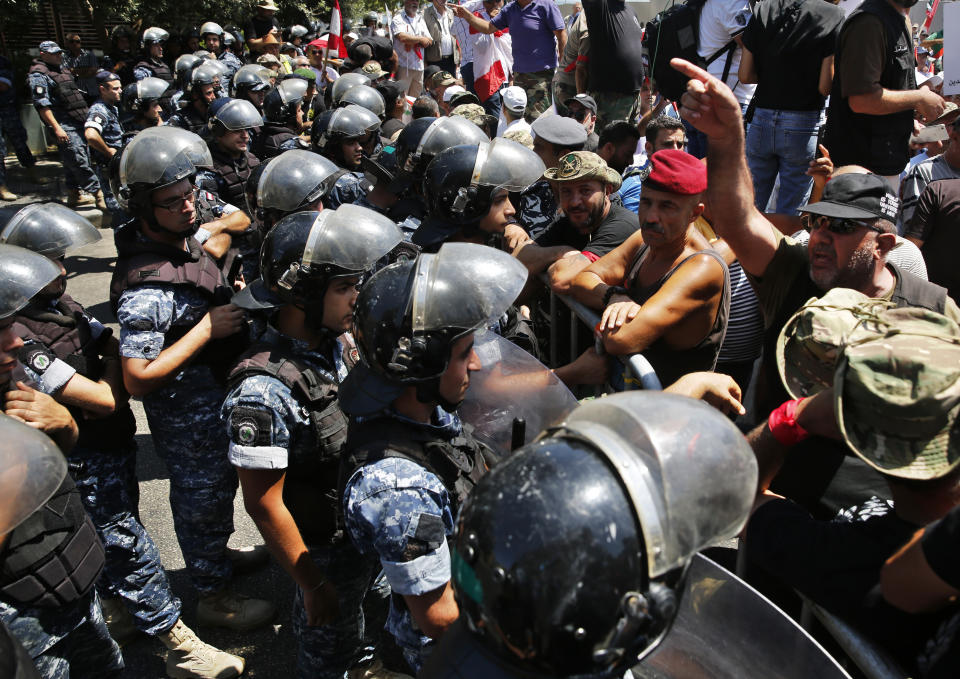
x=304, y=251
x=183, y=67
x=23, y=274
x=367, y=97
x=338, y=125
x=409, y=315
x=153, y=35
x=462, y=181
x=250, y=188
x=234, y=114
x=50, y=229
x=294, y=180
x=424, y=138
x=570, y=554
x=151, y=162
x=344, y=83
x=282, y=102
x=138, y=95
x=204, y=74
x=291, y=33
x=251, y=78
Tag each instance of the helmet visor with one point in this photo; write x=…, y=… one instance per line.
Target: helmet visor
x=152, y=88
x=465, y=286
x=156, y=159
x=292, y=178
x=24, y=273
x=292, y=89
x=345, y=82
x=365, y=97
x=508, y=165
x=252, y=75
x=350, y=237
x=31, y=469
x=447, y=132
x=239, y=114
x=49, y=229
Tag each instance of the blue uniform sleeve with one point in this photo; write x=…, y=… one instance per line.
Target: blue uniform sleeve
x=140, y=73
x=40, y=90
x=43, y=367
x=97, y=118
x=260, y=414
x=145, y=315
x=401, y=511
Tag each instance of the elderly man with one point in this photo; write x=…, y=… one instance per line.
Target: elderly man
x=443, y=52
x=410, y=38
x=664, y=291
x=590, y=228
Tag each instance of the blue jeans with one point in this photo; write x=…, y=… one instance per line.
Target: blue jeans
x=782, y=143
x=466, y=73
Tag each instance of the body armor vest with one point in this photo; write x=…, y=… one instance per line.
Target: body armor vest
x=54, y=557
x=67, y=334
x=70, y=96
x=158, y=68
x=271, y=136
x=234, y=172
x=310, y=487
x=880, y=142
x=191, y=119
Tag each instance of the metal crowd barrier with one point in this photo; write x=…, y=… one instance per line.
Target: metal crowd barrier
x=640, y=369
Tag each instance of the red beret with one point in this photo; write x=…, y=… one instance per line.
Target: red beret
x=676, y=171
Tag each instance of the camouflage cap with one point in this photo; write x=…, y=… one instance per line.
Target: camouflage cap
x=897, y=396
x=521, y=137
x=580, y=165
x=441, y=78
x=474, y=113
x=373, y=70
x=810, y=343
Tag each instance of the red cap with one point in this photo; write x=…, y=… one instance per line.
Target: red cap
x=676, y=171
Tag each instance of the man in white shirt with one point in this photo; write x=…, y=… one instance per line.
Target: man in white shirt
x=410, y=37
x=514, y=104
x=439, y=20
x=465, y=41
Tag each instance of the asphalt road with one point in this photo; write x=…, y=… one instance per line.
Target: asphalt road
x=269, y=652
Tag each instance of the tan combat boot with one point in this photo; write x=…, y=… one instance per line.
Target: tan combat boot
x=100, y=201
x=78, y=198
x=118, y=619
x=234, y=611
x=191, y=657
x=7, y=194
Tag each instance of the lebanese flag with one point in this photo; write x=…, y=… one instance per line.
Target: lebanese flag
x=491, y=63
x=931, y=11
x=335, y=37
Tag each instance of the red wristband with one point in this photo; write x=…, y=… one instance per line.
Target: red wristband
x=783, y=424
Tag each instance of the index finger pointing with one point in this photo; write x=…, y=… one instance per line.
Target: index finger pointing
x=690, y=70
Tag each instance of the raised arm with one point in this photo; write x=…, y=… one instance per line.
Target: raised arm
x=476, y=23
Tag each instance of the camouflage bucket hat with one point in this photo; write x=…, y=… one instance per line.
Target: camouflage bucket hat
x=579, y=165
x=810, y=342
x=474, y=113
x=897, y=397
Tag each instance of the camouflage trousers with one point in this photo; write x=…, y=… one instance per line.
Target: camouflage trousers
x=192, y=441
x=327, y=652
x=116, y=212
x=537, y=85
x=66, y=643
x=107, y=481
x=561, y=93
x=76, y=161
x=12, y=128
x=615, y=106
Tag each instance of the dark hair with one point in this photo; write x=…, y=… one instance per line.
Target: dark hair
x=618, y=132
x=425, y=107
x=662, y=123
x=362, y=54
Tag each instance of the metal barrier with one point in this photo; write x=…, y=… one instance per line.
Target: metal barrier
x=640, y=368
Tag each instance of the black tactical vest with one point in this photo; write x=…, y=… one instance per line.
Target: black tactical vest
x=54, y=557
x=66, y=333
x=158, y=69
x=234, y=172
x=881, y=143
x=310, y=486
x=68, y=95
x=270, y=139
x=188, y=118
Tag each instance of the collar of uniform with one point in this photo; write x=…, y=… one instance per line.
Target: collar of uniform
x=323, y=355
x=446, y=425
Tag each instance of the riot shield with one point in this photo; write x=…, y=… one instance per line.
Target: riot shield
x=512, y=384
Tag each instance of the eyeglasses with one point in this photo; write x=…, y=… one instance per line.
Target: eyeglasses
x=836, y=225
x=175, y=204
x=580, y=115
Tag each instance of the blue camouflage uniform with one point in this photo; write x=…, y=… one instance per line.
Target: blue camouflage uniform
x=284, y=429
x=400, y=511
x=347, y=189
x=105, y=119
x=10, y=124
x=538, y=208
x=233, y=61
x=105, y=474
x=184, y=419
x=73, y=154
x=188, y=118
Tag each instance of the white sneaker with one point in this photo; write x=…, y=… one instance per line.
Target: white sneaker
x=190, y=657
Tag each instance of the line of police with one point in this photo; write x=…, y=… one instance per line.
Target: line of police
x=352, y=458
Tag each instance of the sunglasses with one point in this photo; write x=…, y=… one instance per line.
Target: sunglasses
x=835, y=225
x=580, y=115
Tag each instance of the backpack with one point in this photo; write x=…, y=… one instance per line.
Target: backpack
x=675, y=33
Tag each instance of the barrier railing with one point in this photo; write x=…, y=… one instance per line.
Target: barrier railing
x=641, y=370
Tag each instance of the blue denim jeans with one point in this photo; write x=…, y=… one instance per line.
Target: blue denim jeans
x=782, y=143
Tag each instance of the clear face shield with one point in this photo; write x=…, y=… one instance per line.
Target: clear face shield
x=351, y=237
x=293, y=179
x=23, y=273
x=507, y=165
x=239, y=114
x=152, y=88
x=31, y=469
x=252, y=76
x=443, y=134
x=155, y=159
x=50, y=229
x=178, y=140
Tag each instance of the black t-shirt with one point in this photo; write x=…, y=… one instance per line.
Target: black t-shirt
x=616, y=228
x=615, y=63
x=789, y=40
x=391, y=127
x=941, y=547
x=258, y=27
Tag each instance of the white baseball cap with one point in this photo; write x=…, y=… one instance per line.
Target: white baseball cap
x=450, y=91
x=514, y=99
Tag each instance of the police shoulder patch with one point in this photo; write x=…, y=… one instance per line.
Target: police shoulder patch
x=251, y=426
x=36, y=357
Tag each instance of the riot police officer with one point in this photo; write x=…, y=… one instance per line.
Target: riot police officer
x=177, y=331
x=151, y=62
x=213, y=35
x=467, y=189
x=142, y=103
x=295, y=180
x=367, y=97
x=121, y=59
x=252, y=82
x=287, y=430
x=283, y=119
x=71, y=356
x=408, y=462
x=343, y=135
x=183, y=69
x=557, y=581
x=63, y=109
x=230, y=123
x=202, y=92
x=104, y=135
x=52, y=559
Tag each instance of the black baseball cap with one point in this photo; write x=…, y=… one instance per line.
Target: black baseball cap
x=585, y=100
x=857, y=196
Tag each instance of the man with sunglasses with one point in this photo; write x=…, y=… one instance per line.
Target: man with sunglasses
x=583, y=109
x=851, y=234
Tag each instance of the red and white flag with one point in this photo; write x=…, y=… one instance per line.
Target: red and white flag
x=492, y=62
x=335, y=44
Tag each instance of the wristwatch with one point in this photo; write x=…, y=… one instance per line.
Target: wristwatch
x=614, y=290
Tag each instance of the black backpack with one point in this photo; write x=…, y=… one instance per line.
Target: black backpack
x=675, y=33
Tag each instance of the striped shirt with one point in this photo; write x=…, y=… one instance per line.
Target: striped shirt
x=916, y=180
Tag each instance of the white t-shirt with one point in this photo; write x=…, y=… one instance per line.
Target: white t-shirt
x=413, y=26
x=518, y=125
x=720, y=21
